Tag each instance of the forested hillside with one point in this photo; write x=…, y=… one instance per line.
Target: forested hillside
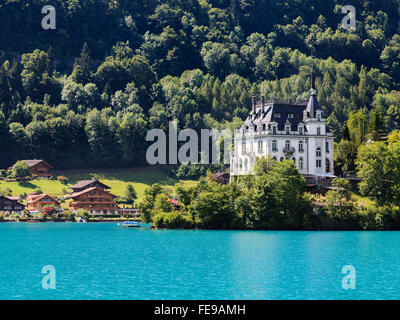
x=86, y=93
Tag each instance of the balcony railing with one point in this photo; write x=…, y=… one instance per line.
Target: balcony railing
x=289, y=150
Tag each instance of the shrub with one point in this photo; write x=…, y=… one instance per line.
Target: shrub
x=174, y=220
x=63, y=180
x=20, y=170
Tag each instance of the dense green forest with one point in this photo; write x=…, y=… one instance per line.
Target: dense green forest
x=86, y=93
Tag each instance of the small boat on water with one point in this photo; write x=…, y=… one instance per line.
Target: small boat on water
x=130, y=224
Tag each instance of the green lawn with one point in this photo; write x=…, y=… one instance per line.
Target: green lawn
x=117, y=181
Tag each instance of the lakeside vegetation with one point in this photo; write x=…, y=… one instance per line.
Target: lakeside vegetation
x=275, y=198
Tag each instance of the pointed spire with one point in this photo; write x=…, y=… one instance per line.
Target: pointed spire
x=312, y=78
x=313, y=104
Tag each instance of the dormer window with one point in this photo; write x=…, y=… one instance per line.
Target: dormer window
x=290, y=115
x=277, y=114
x=287, y=129
x=274, y=129
x=300, y=130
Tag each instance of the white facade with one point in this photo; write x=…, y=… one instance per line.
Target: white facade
x=306, y=140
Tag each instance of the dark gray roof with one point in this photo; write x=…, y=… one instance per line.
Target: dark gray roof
x=276, y=111
x=85, y=183
x=279, y=111
x=313, y=104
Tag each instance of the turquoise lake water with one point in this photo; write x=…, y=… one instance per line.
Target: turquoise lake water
x=106, y=261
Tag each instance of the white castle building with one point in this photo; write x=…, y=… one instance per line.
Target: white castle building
x=285, y=130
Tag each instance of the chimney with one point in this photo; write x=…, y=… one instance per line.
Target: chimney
x=253, y=104
x=263, y=101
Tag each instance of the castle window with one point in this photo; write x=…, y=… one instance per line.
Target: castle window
x=274, y=129
x=263, y=127
x=287, y=129
x=319, y=117
x=319, y=163
x=294, y=160
x=243, y=147
x=290, y=115
x=277, y=114
x=274, y=158
x=318, y=131
x=260, y=146
x=327, y=147
x=274, y=145
x=241, y=164
x=287, y=144
x=301, y=146
x=301, y=130
x=300, y=163
x=255, y=128
x=318, y=152
x=327, y=165
x=281, y=159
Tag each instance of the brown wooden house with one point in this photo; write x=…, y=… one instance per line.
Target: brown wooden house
x=95, y=200
x=37, y=202
x=86, y=184
x=10, y=204
x=38, y=167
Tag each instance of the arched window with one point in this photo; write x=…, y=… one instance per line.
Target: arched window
x=274, y=145
x=281, y=159
x=246, y=164
x=327, y=166
x=241, y=164
x=263, y=127
x=273, y=129
x=274, y=158
x=318, y=131
x=318, y=152
x=300, y=163
x=287, y=129
x=260, y=146
x=294, y=160
x=287, y=144
x=301, y=145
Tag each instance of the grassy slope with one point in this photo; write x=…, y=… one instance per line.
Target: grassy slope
x=117, y=181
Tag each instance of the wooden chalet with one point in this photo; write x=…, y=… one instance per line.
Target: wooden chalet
x=86, y=184
x=10, y=204
x=38, y=167
x=37, y=202
x=95, y=200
